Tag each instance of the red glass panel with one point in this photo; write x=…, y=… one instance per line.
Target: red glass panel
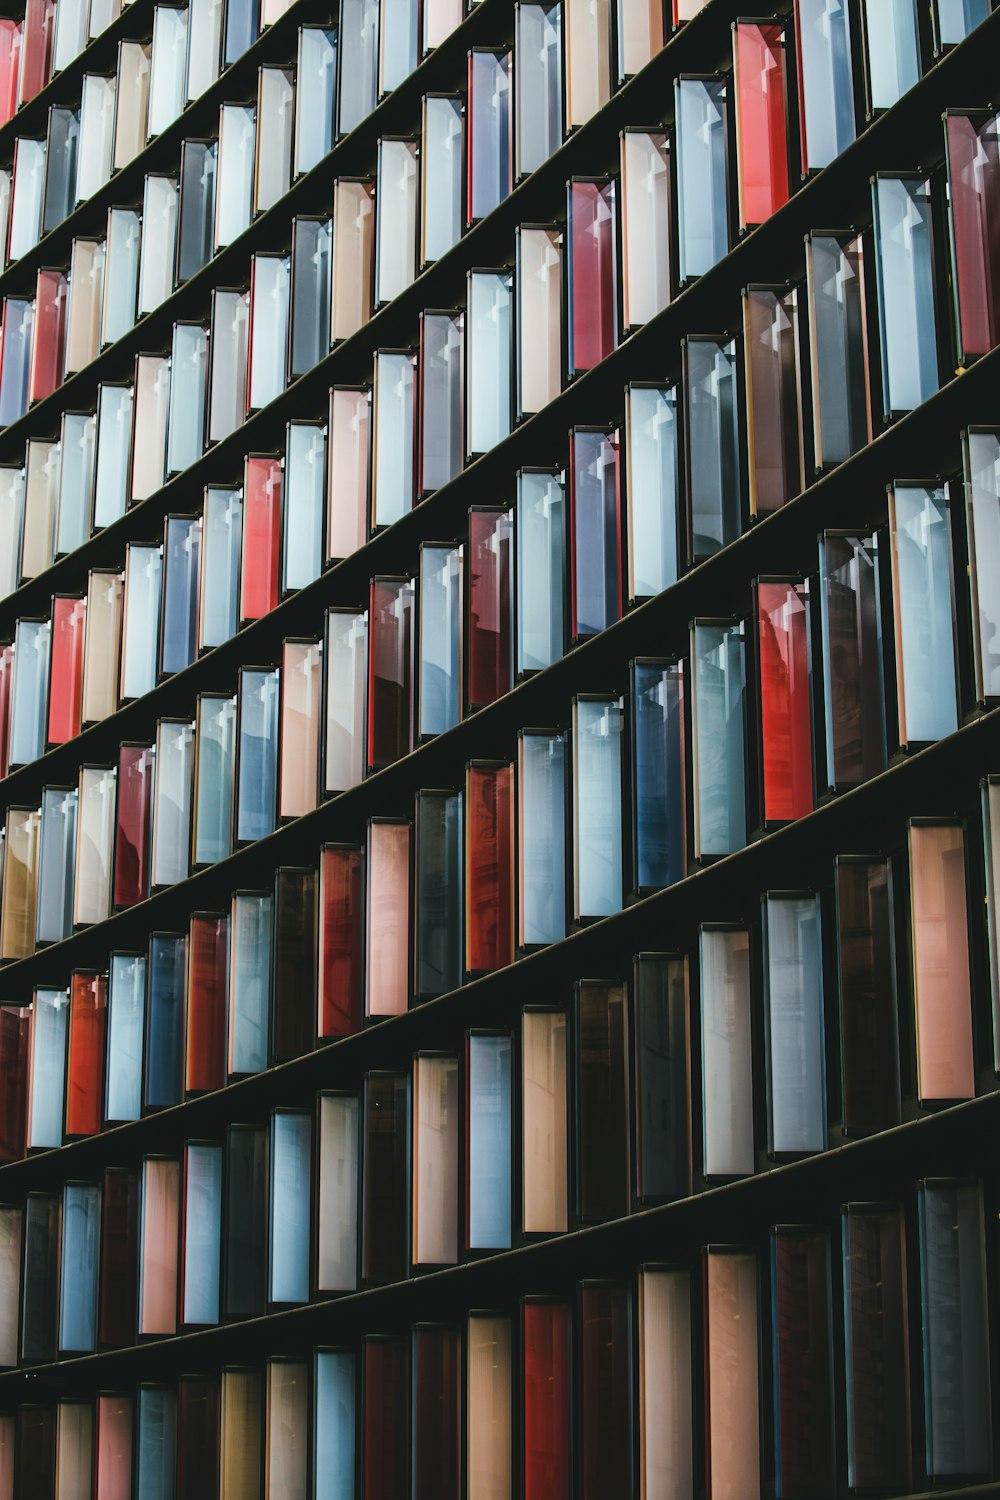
x=786, y=733
x=69, y=624
x=489, y=868
x=605, y=1367
x=546, y=1401
x=389, y=670
x=133, y=824
x=15, y=1023
x=761, y=126
x=10, y=65
x=488, y=636
x=341, y=899
x=48, y=334
x=207, y=996
x=261, y=537
x=36, y=47
x=435, y=1414
x=385, y=1235
x=386, y=1419
x=119, y=1257
x=36, y=1452
x=974, y=183
x=6, y=681
x=803, y=1364
x=88, y=1012
x=198, y=1438
x=592, y=274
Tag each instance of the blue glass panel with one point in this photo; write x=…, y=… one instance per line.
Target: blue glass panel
x=202, y=1251
x=659, y=831
x=302, y=505
x=315, y=97
x=489, y=131
x=214, y=756
x=126, y=1013
x=15, y=358
x=47, y=1068
x=441, y=180
x=892, y=44
x=56, y=865
x=334, y=1425
x=141, y=622
x=595, y=530
x=268, y=358
x=164, y=1022
x=905, y=274
x=173, y=770
x=392, y=473
x=288, y=1257
x=258, y=755
x=956, y=18
x=538, y=84
x=924, y=608
x=221, y=540
x=186, y=410
x=156, y=1442
x=441, y=347
x=81, y=1213
x=541, y=818
x=114, y=429
x=311, y=239
x=793, y=1025
x=651, y=489
x=718, y=680
x=489, y=1164
x=358, y=60
x=181, y=568
x=826, y=88
x=29, y=691
x=250, y=983
x=488, y=360
x=121, y=274
x=702, y=188
x=440, y=599
x=540, y=569
x=397, y=42
x=712, y=449
x=597, y=807
x=76, y=480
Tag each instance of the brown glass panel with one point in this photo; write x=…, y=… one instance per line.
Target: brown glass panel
x=803, y=1365
x=878, y=1405
x=942, y=990
x=602, y=1103
x=436, y=1408
x=732, y=1375
x=867, y=991
x=207, y=997
x=605, y=1394
x=119, y=1256
x=198, y=1438
x=385, y=1417
x=36, y=1453
x=15, y=1025
x=293, y=1010
x=384, y=1228
x=774, y=416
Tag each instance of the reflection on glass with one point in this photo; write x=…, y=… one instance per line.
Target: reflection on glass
x=97, y=135
x=349, y=454
x=249, y=983
x=441, y=202
x=173, y=766
x=489, y=872
x=18, y=317
x=384, y=1230
x=826, y=88
x=488, y=360
x=346, y=656
x=397, y=43
x=726, y=1072
x=392, y=436
x=651, y=489
x=140, y=621
x=659, y=819
x=302, y=511
x=310, y=331
x=540, y=568
x=587, y=59
x=645, y=208
x=56, y=853
x=785, y=726
x=202, y=1235
x=76, y=480
x=257, y=763
x=358, y=61
x=718, y=673
x=802, y=1354
x=186, y=411
x=905, y=282
x=838, y=340
x=315, y=97
x=288, y=1239
x=352, y=253
x=59, y=196
x=341, y=898
x=434, y=1237
x=538, y=310
x=875, y=1347
x=260, y=554
x=597, y=810
x=149, y=425
x=227, y=363
x=101, y=647
x=204, y=45
x=41, y=493
x=488, y=1141
x=867, y=988
x=46, y=1069
x=939, y=938
x=299, y=736
x=94, y=841
x=591, y=273
x=439, y=399
x=26, y=196
x=541, y=838
x=732, y=1374
x=157, y=246
x=131, y=102
x=234, y=176
x=20, y=873
x=488, y=618
x=166, y=72
x=892, y=51
x=489, y=153
x=221, y=544
x=196, y=220
x=854, y=719
x=774, y=416
x=268, y=347
x=761, y=120
x=121, y=274
x=972, y=152
x=214, y=754
x=132, y=824
x=273, y=166
x=595, y=530
x=28, y=695
x=86, y=291
x=793, y=1024
x=334, y=1422
x=387, y=918
x=923, y=607
x=389, y=711
x=712, y=444
x=396, y=217
x=439, y=594
x=700, y=108
x=544, y=1122
x=437, y=885
x=126, y=1004
x=538, y=91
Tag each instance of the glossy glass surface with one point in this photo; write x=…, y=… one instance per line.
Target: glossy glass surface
x=972, y=150
x=302, y=505
x=436, y=1129
x=348, y=479
x=346, y=663
x=892, y=51
x=249, y=982
x=441, y=175
x=256, y=785
x=387, y=918
x=826, y=89
x=273, y=166
x=206, y=1002
x=924, y=622
x=489, y=872
x=761, y=120
x=488, y=1142
x=315, y=97
x=700, y=106
x=594, y=532
x=544, y=1122
x=394, y=418
x=867, y=992
x=602, y=1103
x=905, y=280
x=794, y=1024
x=353, y=251
x=439, y=594
x=201, y=1234
x=81, y=1208
x=591, y=273
x=714, y=479
x=395, y=218
x=215, y=734
x=384, y=1190
x=234, y=174
x=488, y=360
x=260, y=557
x=538, y=85
x=546, y=1393
x=658, y=775
x=438, y=904
x=597, y=811
x=646, y=215
x=358, y=59
x=851, y=633
x=939, y=953
x=875, y=1340
x=541, y=838
x=337, y=1200
x=785, y=707
x=163, y=1083
x=132, y=825
x=310, y=320
x=301, y=695
x=802, y=1340
x=488, y=622
x=126, y=1004
x=389, y=625
x=489, y=144
x=773, y=397
x=288, y=1252
x=718, y=684
x=726, y=1072
x=587, y=71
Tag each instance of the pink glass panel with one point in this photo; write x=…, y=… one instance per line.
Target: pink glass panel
x=387, y=919
x=731, y=1376
x=158, y=1268
x=347, y=491
x=261, y=537
x=301, y=703
x=113, y=1470
x=974, y=184
x=489, y=868
x=69, y=622
x=489, y=606
x=941, y=984
x=341, y=901
x=36, y=47
x=389, y=671
x=761, y=128
x=48, y=334
x=786, y=726
x=592, y=332
x=10, y=65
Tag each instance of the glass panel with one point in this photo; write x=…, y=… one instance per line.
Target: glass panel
x=69, y=39
x=48, y=335
x=310, y=334
x=272, y=171
x=785, y=707
x=923, y=602
x=202, y=1231
x=132, y=825
x=867, y=986
x=260, y=553
x=438, y=893
x=392, y=440
x=83, y=318
x=131, y=102
x=597, y=811
x=206, y=1001
x=605, y=1397
x=666, y=1384
x=196, y=224
x=213, y=778
x=645, y=178
x=439, y=396
x=387, y=918
x=774, y=417
x=12, y=522
x=301, y=688
x=181, y=568
x=56, y=856
x=659, y=799
x=353, y=242
x=126, y=1005
x=397, y=43
x=94, y=838
x=544, y=1123
x=97, y=135
x=712, y=444
x=488, y=1142
x=726, y=1069
x=384, y=1228
x=488, y=1410
x=302, y=505
x=826, y=89
x=972, y=150
x=591, y=274
x=875, y=1337
x=603, y=1187
x=75, y=1448
x=439, y=592
x=538, y=101
x=228, y=364
x=167, y=68
x=489, y=612
x=435, y=1161
x=204, y=45
x=905, y=279
x=595, y=532
x=587, y=59
x=41, y=493
x=954, y=19
x=158, y=1246
x=802, y=1352
x=249, y=983
x=15, y=358
x=546, y=1389
x=315, y=97
x=149, y=426
x=341, y=898
x=26, y=197
x=39, y=1281
x=267, y=357
x=173, y=766
x=163, y=1080
x=348, y=480
x=141, y=620
x=854, y=717
x=159, y=234
x=76, y=480
x=287, y=1426
x=346, y=656
x=892, y=51
x=489, y=153
x=793, y=1024
x=358, y=60
x=541, y=838
x=221, y=542
x=234, y=177
x=489, y=874
x=441, y=205
x=121, y=275
x=288, y=1253
x=246, y=1215
x=46, y=1068
x=732, y=1375
x=59, y=196
x=488, y=360
x=32, y=649
x=389, y=711
x=540, y=538
x=939, y=954
x=538, y=312
x=20, y=874
x=718, y=684
x=700, y=108
x=293, y=1020
x=662, y=1069
x=258, y=753
x=396, y=218
x=156, y=1442
x=761, y=120
x=241, y=1434
x=334, y=1424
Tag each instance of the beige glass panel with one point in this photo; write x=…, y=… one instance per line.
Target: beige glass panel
x=113, y=1470
x=41, y=489
x=347, y=490
x=158, y=1250
x=102, y=645
x=396, y=218
x=86, y=298
x=732, y=1376
x=240, y=1477
x=204, y=45
x=539, y=318
x=286, y=1460
x=645, y=161
x=20, y=883
x=273, y=10
x=337, y=1200
x=353, y=238
x=157, y=242
x=132, y=101
x=301, y=711
x=95, y=826
x=727, y=1073
x=666, y=1439
x=273, y=165
x=440, y=18
x=588, y=59
x=387, y=919
x=686, y=10
x=642, y=34
x=435, y=1161
x=11, y=1229
x=543, y=1120
x=942, y=994
x=97, y=132
x=74, y=1449
x=488, y=1434
x=149, y=425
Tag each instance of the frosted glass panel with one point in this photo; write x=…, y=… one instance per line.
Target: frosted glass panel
x=796, y=1062
x=337, y=1206
x=288, y=1257
x=726, y=1070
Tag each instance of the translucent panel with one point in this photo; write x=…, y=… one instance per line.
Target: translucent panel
x=439, y=592
x=541, y=838
x=12, y=31
x=131, y=102
x=15, y=357
x=257, y=769
x=396, y=218
x=86, y=294
x=435, y=1160
x=56, y=855
x=70, y=32
x=47, y=1067
x=387, y=918
x=892, y=51
x=591, y=273
x=12, y=521
x=40, y=1283
x=268, y=347
x=538, y=91
x=651, y=490
x=11, y=1226
x=666, y=1384
x=538, y=310
x=439, y=398
x=972, y=150
x=94, y=838
x=939, y=954
x=540, y=569
x=204, y=45
x=32, y=648
x=773, y=387
x=718, y=680
x=273, y=167
x=867, y=985
x=991, y=826
x=158, y=1246
x=132, y=819
x=851, y=659
x=310, y=330
x=954, y=19
x=141, y=620
x=221, y=542
x=163, y=1083
x=875, y=1339
x=285, y=1452
x=597, y=817
x=489, y=151
x=76, y=480
x=905, y=278
x=441, y=201
x=149, y=425
x=546, y=1392
x=196, y=221
x=74, y=1448
x=288, y=1253
x=181, y=567
x=488, y=617
x=205, y=1003
x=544, y=1123
x=20, y=873
x=167, y=68
x=315, y=97
x=488, y=1142
x=213, y=778
x=785, y=743
x=726, y=1070
x=587, y=60
x=334, y=1424
x=793, y=1012
x=59, y=196
x=173, y=767
x=353, y=240
x=923, y=613
x=801, y=1341
x=294, y=1010
x=101, y=649
x=301, y=690
x=121, y=274
x=260, y=552
x=249, y=983
x=488, y=360
x=302, y=511
x=156, y=1442
x=41, y=493
x=437, y=883
x=358, y=59
x=48, y=335
x=389, y=691
x=159, y=236
x=85, y=1060
x=955, y=1320
x=732, y=1375
x=26, y=197
x=712, y=447
x=126, y=1004
x=397, y=42
x=489, y=875
x=602, y=1109
x=392, y=437
x=838, y=340
x=659, y=816
x=337, y=1203
x=700, y=106
x=228, y=364
x=645, y=209
x=761, y=123
x=346, y=655
x=826, y=90
x=202, y=1234
x=595, y=532
x=234, y=175
x=96, y=140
